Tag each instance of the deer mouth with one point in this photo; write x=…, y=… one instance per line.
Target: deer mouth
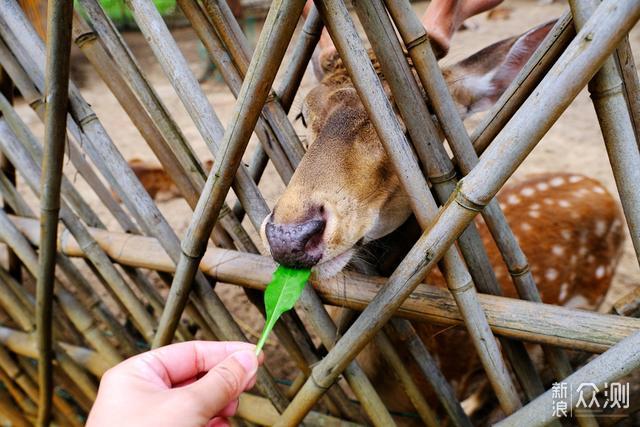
x=332, y=266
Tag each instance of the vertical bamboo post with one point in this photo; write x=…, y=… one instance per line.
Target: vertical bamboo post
x=56, y=89
x=607, y=93
x=629, y=75
x=572, y=71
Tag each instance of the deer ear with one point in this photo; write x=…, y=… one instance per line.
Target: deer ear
x=478, y=81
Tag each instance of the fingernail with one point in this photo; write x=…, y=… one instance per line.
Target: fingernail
x=248, y=360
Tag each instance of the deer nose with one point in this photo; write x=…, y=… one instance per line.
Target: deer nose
x=296, y=245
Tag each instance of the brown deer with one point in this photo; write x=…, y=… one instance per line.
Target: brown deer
x=344, y=197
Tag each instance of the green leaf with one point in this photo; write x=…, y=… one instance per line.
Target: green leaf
x=281, y=295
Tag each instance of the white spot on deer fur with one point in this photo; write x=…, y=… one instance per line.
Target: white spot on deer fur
x=616, y=223
x=598, y=190
x=527, y=191
x=551, y=274
x=583, y=251
x=575, y=178
x=566, y=234
x=526, y=226
x=577, y=301
x=557, y=181
x=542, y=186
x=574, y=215
x=574, y=258
x=557, y=250
x=564, y=290
x=534, y=214
x=601, y=228
x=513, y=199
x=502, y=206
x=564, y=204
x=591, y=259
x=600, y=272
x=534, y=206
x=547, y=201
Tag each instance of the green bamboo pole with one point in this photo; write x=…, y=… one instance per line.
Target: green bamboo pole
x=56, y=90
x=570, y=73
x=607, y=93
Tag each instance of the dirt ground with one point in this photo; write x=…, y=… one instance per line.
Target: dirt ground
x=573, y=144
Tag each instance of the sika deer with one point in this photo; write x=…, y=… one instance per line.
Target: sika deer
x=345, y=195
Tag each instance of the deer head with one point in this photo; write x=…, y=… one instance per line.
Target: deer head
x=345, y=192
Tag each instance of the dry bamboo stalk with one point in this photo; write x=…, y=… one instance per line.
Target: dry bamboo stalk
x=523, y=320
x=440, y=170
x=381, y=113
x=18, y=376
x=233, y=78
x=23, y=313
x=571, y=72
x=30, y=171
x=273, y=111
x=6, y=88
x=524, y=83
x=607, y=92
x=59, y=13
x=9, y=410
x=184, y=82
x=22, y=399
x=258, y=410
x=629, y=75
x=610, y=366
x=426, y=65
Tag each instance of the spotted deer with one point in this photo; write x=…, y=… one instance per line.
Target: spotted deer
x=344, y=197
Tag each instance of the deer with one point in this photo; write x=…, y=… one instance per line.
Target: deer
x=345, y=198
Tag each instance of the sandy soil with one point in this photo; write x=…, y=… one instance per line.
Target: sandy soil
x=573, y=144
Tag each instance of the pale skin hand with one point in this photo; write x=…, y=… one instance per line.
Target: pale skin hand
x=195, y=383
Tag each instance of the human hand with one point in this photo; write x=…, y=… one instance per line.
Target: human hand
x=194, y=383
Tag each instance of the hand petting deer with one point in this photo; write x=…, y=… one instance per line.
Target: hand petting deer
x=344, y=197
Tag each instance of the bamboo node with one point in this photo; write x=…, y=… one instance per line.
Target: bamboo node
x=519, y=271
x=465, y=202
x=607, y=93
x=424, y=38
x=462, y=288
x=36, y=103
x=88, y=119
x=445, y=177
x=84, y=38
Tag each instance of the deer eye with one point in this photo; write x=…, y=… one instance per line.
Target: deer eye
x=300, y=117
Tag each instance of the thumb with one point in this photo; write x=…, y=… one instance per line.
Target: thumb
x=225, y=381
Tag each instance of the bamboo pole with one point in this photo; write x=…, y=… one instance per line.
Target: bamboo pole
x=9, y=410
x=571, y=72
x=19, y=395
x=425, y=62
x=610, y=366
x=56, y=90
x=522, y=320
x=607, y=92
x=30, y=171
x=629, y=75
x=525, y=82
x=6, y=88
x=440, y=170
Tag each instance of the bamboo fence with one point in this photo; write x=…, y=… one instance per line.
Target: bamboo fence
x=71, y=256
